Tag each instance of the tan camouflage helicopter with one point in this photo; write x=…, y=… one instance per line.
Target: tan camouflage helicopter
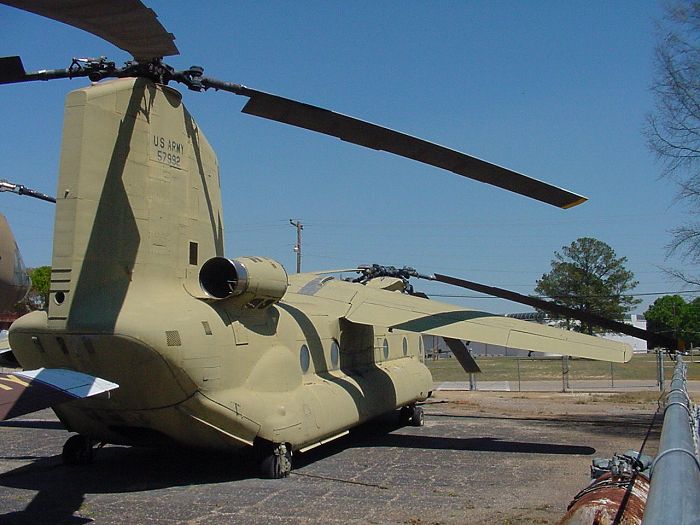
x=14, y=281
x=209, y=351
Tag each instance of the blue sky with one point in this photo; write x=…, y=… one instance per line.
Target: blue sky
x=556, y=90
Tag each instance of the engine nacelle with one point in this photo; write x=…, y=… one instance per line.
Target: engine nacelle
x=254, y=282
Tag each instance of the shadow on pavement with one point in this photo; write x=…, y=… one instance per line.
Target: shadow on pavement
x=61, y=489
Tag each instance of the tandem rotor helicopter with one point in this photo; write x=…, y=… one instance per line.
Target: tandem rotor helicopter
x=167, y=338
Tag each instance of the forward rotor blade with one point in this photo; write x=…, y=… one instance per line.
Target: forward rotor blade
x=11, y=70
x=461, y=352
x=128, y=24
x=377, y=137
x=652, y=338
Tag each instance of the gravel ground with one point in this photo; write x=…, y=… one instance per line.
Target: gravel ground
x=481, y=458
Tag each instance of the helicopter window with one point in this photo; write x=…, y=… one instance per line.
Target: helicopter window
x=304, y=358
x=335, y=354
x=405, y=346
x=194, y=248
x=59, y=297
x=386, y=349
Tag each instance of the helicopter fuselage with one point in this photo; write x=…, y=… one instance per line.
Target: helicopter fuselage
x=138, y=215
x=220, y=378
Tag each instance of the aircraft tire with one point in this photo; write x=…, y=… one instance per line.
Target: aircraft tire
x=417, y=419
x=77, y=450
x=405, y=415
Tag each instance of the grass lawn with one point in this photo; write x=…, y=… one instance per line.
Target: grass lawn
x=642, y=367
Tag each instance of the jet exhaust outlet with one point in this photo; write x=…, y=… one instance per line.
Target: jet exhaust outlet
x=256, y=282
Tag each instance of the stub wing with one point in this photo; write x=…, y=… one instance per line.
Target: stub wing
x=416, y=314
x=31, y=390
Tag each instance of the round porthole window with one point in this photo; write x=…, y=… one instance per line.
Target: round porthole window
x=59, y=297
x=386, y=349
x=405, y=347
x=335, y=354
x=304, y=358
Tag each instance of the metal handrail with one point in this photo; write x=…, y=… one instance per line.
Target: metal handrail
x=675, y=477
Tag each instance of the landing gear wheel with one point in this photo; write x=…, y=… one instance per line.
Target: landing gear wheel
x=77, y=450
x=417, y=417
x=411, y=415
x=405, y=416
x=276, y=463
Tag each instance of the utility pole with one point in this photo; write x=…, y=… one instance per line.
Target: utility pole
x=297, y=247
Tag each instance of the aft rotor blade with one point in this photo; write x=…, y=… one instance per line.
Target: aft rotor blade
x=461, y=352
x=373, y=136
x=128, y=24
x=652, y=338
x=458, y=348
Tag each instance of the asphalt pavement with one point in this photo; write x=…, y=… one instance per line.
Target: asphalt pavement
x=467, y=465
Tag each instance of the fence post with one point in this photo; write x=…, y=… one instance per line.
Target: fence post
x=612, y=376
x=660, y=368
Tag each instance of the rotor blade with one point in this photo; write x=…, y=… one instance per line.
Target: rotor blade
x=128, y=24
x=31, y=390
x=372, y=136
x=652, y=338
x=461, y=352
x=377, y=137
x=11, y=70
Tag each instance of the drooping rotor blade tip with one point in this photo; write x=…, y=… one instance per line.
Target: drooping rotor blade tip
x=377, y=137
x=551, y=306
x=11, y=69
x=128, y=24
x=575, y=203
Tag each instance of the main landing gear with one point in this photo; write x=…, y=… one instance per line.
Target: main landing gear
x=78, y=450
x=274, y=460
x=411, y=415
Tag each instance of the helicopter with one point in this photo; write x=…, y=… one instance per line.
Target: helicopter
x=14, y=281
x=189, y=346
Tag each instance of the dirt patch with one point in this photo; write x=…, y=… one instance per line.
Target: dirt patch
x=546, y=403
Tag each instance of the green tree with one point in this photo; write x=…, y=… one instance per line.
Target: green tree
x=38, y=296
x=672, y=315
x=41, y=283
x=587, y=275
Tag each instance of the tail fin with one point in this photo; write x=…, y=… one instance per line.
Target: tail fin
x=138, y=202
